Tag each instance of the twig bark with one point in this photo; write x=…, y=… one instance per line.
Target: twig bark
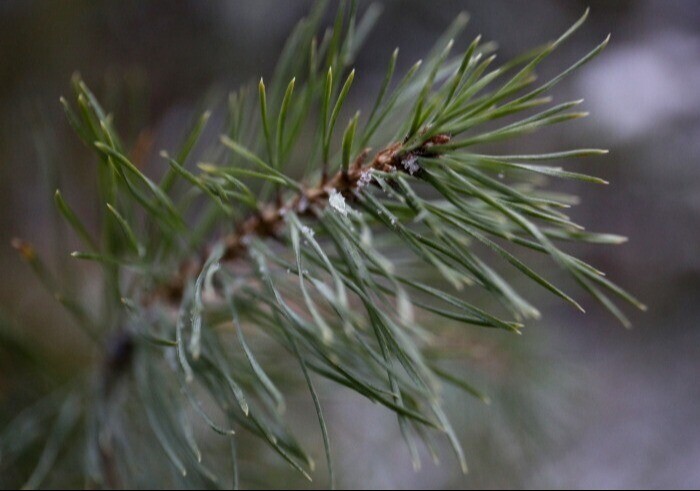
x=269, y=219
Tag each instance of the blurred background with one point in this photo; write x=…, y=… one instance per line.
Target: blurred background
x=582, y=402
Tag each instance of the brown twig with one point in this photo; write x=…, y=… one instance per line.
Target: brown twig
x=269, y=219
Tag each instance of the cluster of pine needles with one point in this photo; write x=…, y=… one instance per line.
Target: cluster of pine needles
x=354, y=250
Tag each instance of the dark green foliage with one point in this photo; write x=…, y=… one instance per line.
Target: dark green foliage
x=355, y=266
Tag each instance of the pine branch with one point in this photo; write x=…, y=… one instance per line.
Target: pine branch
x=347, y=267
x=269, y=220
